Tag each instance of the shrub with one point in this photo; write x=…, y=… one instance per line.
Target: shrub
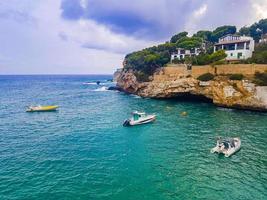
x=219, y=62
x=260, y=78
x=141, y=76
x=218, y=55
x=215, y=58
x=238, y=77
x=259, y=57
x=177, y=61
x=206, y=77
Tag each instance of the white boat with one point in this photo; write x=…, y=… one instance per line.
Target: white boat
x=139, y=118
x=227, y=146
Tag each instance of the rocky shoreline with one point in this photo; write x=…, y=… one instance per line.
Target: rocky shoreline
x=220, y=91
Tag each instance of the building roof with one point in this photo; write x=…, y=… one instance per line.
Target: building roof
x=232, y=41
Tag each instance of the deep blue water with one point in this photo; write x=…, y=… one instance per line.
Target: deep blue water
x=83, y=151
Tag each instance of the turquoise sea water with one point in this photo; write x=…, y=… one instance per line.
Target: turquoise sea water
x=83, y=151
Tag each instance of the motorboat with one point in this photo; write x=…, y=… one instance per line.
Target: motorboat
x=227, y=146
x=41, y=108
x=139, y=118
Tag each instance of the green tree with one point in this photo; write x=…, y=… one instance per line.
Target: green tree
x=222, y=31
x=218, y=55
x=189, y=42
x=178, y=36
x=206, y=35
x=262, y=25
x=244, y=31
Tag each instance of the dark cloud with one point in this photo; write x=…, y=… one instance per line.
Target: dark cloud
x=136, y=18
x=157, y=20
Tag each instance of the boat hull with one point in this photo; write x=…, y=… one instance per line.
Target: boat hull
x=42, y=109
x=230, y=151
x=148, y=119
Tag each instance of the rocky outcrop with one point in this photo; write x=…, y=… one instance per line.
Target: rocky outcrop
x=222, y=92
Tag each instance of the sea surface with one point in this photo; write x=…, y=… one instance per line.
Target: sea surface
x=82, y=151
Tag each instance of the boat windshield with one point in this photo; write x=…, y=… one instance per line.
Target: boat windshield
x=226, y=145
x=136, y=116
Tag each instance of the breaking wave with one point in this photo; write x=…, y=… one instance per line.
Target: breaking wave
x=101, y=89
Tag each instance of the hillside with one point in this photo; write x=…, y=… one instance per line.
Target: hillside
x=145, y=62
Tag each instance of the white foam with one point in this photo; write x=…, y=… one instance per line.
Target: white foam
x=89, y=83
x=225, y=109
x=135, y=96
x=102, y=89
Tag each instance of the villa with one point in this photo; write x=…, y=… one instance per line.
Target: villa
x=236, y=47
x=182, y=53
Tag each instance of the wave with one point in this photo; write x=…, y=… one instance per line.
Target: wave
x=225, y=109
x=94, y=83
x=135, y=96
x=89, y=83
x=101, y=89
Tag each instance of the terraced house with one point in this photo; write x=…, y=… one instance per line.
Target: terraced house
x=236, y=47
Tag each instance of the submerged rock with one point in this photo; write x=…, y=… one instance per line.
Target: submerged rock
x=114, y=88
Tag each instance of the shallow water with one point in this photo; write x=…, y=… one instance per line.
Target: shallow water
x=83, y=151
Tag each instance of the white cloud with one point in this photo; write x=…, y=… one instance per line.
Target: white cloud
x=200, y=11
x=83, y=3
x=195, y=18
x=260, y=8
x=41, y=49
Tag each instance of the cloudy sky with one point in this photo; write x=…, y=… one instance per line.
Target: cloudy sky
x=93, y=36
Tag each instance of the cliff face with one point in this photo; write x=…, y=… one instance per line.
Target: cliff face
x=220, y=91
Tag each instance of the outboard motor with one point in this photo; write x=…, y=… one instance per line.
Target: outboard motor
x=126, y=122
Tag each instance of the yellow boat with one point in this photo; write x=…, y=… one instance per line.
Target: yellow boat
x=41, y=108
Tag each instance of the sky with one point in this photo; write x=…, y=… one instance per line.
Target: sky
x=93, y=36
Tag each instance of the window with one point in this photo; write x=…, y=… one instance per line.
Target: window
x=247, y=47
x=231, y=54
x=240, y=46
x=228, y=47
x=239, y=55
x=218, y=47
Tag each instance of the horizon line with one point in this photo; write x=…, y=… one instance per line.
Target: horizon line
x=51, y=74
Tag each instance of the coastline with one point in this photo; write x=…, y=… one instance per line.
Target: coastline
x=171, y=82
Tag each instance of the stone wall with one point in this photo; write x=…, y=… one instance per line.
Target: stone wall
x=245, y=69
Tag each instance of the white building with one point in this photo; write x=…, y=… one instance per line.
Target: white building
x=182, y=53
x=236, y=47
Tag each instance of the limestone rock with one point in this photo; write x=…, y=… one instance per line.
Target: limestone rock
x=233, y=94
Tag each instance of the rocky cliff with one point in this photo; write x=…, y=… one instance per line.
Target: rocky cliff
x=221, y=91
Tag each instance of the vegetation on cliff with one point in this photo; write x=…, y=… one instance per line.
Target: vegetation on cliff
x=237, y=77
x=146, y=61
x=261, y=78
x=259, y=55
x=206, y=77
